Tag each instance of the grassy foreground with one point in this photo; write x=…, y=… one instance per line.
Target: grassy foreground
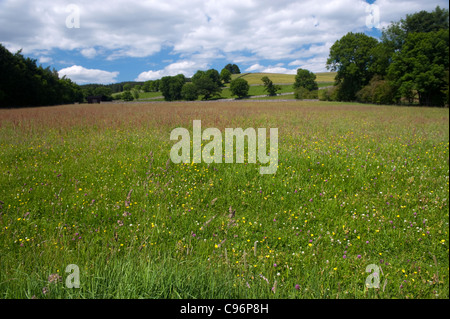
x=92, y=185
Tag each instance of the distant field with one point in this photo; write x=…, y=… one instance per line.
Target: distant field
x=326, y=77
x=93, y=186
x=255, y=78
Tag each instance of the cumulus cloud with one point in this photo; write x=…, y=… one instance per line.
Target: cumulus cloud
x=270, y=69
x=81, y=75
x=188, y=68
x=45, y=59
x=89, y=52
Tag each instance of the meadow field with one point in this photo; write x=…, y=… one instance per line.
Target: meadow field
x=357, y=186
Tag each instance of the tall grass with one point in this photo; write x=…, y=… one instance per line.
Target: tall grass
x=91, y=185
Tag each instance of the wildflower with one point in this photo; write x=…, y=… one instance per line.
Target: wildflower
x=297, y=287
x=359, y=256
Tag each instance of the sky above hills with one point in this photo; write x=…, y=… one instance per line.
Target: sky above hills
x=111, y=41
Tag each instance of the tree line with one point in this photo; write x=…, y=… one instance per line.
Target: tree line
x=207, y=84
x=410, y=65
x=23, y=83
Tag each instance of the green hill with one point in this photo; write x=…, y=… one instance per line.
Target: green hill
x=255, y=78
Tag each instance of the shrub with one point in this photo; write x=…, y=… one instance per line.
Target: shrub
x=328, y=94
x=378, y=91
x=302, y=93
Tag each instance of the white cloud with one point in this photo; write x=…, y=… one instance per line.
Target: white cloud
x=188, y=68
x=270, y=69
x=45, y=59
x=81, y=75
x=89, y=52
x=255, y=67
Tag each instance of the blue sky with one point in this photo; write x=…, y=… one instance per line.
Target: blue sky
x=112, y=41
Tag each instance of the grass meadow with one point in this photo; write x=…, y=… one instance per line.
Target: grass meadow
x=93, y=185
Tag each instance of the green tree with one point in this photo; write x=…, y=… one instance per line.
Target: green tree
x=269, y=87
x=208, y=83
x=233, y=68
x=305, y=79
x=171, y=86
x=394, y=36
x=104, y=91
x=225, y=75
x=189, y=92
x=424, y=21
x=43, y=85
x=378, y=91
x=239, y=87
x=214, y=75
x=146, y=86
x=155, y=86
x=351, y=57
x=127, y=87
x=420, y=67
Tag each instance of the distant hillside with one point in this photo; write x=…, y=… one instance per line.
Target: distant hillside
x=255, y=78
